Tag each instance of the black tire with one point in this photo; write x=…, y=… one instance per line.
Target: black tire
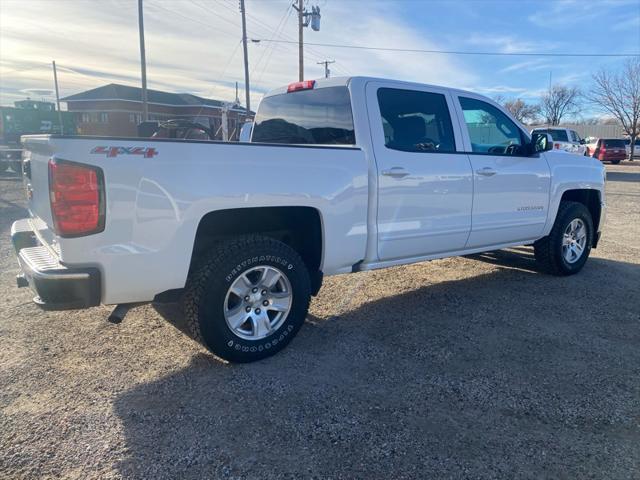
x=207, y=287
x=548, y=250
x=615, y=162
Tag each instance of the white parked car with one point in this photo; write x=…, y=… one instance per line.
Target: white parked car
x=564, y=139
x=341, y=175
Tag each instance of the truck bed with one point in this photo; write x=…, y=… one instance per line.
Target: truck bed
x=158, y=190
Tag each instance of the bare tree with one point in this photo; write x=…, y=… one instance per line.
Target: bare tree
x=618, y=93
x=521, y=110
x=558, y=102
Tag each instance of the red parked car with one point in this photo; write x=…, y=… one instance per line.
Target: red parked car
x=607, y=149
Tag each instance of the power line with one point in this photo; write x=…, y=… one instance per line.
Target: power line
x=459, y=52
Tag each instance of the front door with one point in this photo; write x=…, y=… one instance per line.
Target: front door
x=511, y=189
x=424, y=184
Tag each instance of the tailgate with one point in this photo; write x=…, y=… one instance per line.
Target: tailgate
x=37, y=150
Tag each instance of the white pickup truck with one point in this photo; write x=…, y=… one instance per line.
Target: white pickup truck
x=341, y=175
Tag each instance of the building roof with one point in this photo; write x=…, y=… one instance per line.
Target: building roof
x=114, y=91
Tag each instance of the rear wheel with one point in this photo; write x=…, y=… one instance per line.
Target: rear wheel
x=615, y=162
x=248, y=299
x=566, y=249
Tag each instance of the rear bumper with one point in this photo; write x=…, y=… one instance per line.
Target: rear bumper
x=57, y=287
x=612, y=158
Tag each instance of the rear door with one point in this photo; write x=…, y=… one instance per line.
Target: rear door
x=424, y=184
x=511, y=189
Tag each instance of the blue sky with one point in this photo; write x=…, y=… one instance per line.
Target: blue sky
x=193, y=45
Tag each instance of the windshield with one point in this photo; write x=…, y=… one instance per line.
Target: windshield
x=321, y=116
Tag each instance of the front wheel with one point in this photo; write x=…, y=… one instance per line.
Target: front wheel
x=248, y=299
x=566, y=249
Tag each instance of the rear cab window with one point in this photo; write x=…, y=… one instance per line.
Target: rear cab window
x=556, y=135
x=559, y=135
x=319, y=116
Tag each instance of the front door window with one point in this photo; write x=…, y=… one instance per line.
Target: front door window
x=490, y=130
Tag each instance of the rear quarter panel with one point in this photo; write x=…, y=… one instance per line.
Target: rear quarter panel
x=154, y=204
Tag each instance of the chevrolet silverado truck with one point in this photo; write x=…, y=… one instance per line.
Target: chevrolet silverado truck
x=340, y=175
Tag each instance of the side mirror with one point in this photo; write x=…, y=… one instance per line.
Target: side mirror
x=582, y=141
x=541, y=142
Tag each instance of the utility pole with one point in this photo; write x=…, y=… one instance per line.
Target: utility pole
x=326, y=67
x=246, y=59
x=300, y=41
x=143, y=65
x=55, y=81
x=304, y=19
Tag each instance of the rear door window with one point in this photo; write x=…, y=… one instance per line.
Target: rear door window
x=319, y=116
x=415, y=121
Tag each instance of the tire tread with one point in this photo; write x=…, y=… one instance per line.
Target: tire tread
x=211, y=263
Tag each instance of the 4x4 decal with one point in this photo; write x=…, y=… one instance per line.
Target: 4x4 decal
x=146, y=152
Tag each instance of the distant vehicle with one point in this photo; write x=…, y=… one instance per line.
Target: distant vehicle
x=28, y=117
x=607, y=149
x=564, y=139
x=636, y=147
x=341, y=175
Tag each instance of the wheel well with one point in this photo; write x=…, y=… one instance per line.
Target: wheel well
x=298, y=227
x=589, y=198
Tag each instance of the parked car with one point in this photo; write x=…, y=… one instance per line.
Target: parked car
x=636, y=147
x=564, y=139
x=607, y=149
x=342, y=175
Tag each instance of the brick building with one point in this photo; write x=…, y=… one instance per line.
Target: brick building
x=116, y=110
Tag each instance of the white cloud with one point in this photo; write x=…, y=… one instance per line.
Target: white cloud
x=627, y=24
x=529, y=65
x=564, y=13
x=509, y=43
x=194, y=46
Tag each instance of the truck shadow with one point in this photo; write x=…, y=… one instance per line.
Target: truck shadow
x=503, y=372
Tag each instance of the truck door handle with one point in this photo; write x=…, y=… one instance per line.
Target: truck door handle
x=396, y=172
x=486, y=172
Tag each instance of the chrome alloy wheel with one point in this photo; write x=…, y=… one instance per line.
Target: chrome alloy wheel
x=258, y=302
x=574, y=240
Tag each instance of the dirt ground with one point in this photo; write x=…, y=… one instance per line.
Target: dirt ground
x=476, y=367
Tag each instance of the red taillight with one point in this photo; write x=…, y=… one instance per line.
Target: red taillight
x=602, y=151
x=77, y=198
x=556, y=145
x=304, y=85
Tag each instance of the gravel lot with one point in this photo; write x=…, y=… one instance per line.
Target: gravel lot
x=473, y=367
